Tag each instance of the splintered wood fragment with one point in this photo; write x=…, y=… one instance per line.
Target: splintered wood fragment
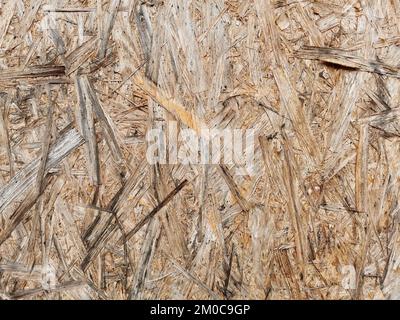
x=193, y=278
x=18, y=268
x=32, y=72
x=129, y=77
x=233, y=187
x=202, y=36
x=146, y=253
x=144, y=29
x=281, y=71
x=272, y=164
x=8, y=13
x=70, y=285
x=378, y=100
x=361, y=174
x=46, y=143
x=76, y=58
x=24, y=179
x=328, y=22
x=286, y=267
x=294, y=204
x=172, y=106
x=116, y=202
x=345, y=99
x=381, y=43
x=227, y=269
x=34, y=82
x=88, y=131
x=109, y=23
x=4, y=133
x=49, y=8
x=70, y=226
x=153, y=212
x=19, y=214
x=284, y=3
x=58, y=41
x=308, y=25
x=105, y=121
x=382, y=118
x=345, y=59
x=28, y=18
x=36, y=75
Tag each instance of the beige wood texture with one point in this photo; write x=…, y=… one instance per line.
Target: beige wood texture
x=84, y=215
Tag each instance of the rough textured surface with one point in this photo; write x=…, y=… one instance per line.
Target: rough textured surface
x=83, y=215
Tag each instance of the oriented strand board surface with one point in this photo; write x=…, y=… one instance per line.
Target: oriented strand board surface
x=84, y=215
